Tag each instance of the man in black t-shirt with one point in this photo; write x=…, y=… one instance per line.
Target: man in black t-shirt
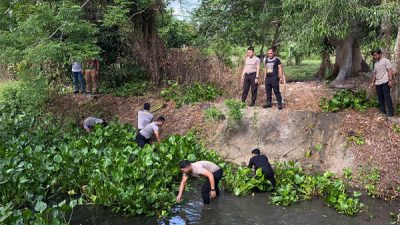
x=273, y=76
x=261, y=161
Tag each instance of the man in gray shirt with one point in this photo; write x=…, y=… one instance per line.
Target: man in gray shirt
x=144, y=116
x=143, y=137
x=90, y=122
x=250, y=76
x=382, y=78
x=201, y=168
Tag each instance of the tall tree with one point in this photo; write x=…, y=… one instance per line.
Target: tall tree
x=343, y=23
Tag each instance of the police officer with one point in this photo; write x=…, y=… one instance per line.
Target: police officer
x=273, y=76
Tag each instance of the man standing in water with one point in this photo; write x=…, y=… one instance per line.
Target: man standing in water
x=205, y=169
x=382, y=78
x=250, y=76
x=273, y=76
x=261, y=161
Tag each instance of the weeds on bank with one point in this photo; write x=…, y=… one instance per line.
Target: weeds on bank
x=396, y=128
x=369, y=177
x=355, y=138
x=213, y=113
x=347, y=99
x=235, y=108
x=191, y=94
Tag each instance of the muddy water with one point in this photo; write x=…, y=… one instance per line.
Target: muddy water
x=250, y=210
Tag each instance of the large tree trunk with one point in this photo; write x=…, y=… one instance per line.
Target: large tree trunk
x=348, y=59
x=386, y=34
x=325, y=66
x=396, y=62
x=344, y=59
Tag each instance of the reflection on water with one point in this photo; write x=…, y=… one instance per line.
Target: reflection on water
x=250, y=210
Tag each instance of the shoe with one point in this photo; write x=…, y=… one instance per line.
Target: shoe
x=280, y=107
x=76, y=92
x=252, y=104
x=267, y=106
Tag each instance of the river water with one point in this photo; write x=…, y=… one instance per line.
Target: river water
x=250, y=210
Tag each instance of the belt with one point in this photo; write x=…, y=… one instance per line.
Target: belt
x=250, y=73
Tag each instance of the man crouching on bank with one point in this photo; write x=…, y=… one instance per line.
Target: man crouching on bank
x=197, y=169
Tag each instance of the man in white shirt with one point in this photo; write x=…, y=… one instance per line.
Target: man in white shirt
x=143, y=137
x=144, y=116
x=250, y=76
x=201, y=168
x=382, y=78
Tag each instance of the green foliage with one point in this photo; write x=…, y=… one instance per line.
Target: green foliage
x=175, y=33
x=348, y=173
x=241, y=182
x=303, y=72
x=293, y=185
x=347, y=99
x=356, y=138
x=213, y=113
x=396, y=128
x=191, y=94
x=235, y=113
x=370, y=177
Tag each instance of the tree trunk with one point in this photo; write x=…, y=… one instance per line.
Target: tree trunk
x=386, y=34
x=396, y=62
x=357, y=58
x=344, y=59
x=325, y=65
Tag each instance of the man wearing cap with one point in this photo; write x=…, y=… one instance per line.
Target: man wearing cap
x=201, y=168
x=261, y=161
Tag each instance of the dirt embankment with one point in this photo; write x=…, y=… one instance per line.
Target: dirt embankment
x=299, y=132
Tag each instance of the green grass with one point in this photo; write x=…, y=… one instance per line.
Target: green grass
x=7, y=85
x=304, y=72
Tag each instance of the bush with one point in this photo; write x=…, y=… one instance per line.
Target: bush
x=235, y=110
x=347, y=99
x=213, y=113
x=186, y=95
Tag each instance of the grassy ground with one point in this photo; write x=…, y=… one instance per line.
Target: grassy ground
x=304, y=72
x=7, y=85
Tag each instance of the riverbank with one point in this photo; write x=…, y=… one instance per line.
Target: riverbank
x=300, y=132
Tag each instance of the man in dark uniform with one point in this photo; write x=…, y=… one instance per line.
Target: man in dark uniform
x=273, y=76
x=261, y=161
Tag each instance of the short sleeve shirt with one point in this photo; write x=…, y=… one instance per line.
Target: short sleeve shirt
x=144, y=118
x=149, y=130
x=251, y=64
x=200, y=167
x=272, y=67
x=381, y=70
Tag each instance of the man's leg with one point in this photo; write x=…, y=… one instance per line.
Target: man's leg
x=140, y=140
x=88, y=81
x=82, y=81
x=205, y=192
x=268, y=90
x=388, y=98
x=217, y=177
x=94, y=80
x=246, y=87
x=277, y=94
x=254, y=88
x=381, y=99
x=75, y=80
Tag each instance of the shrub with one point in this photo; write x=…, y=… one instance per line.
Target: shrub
x=235, y=110
x=213, y=113
x=347, y=99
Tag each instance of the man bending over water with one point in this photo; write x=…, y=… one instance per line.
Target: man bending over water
x=261, y=161
x=201, y=168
